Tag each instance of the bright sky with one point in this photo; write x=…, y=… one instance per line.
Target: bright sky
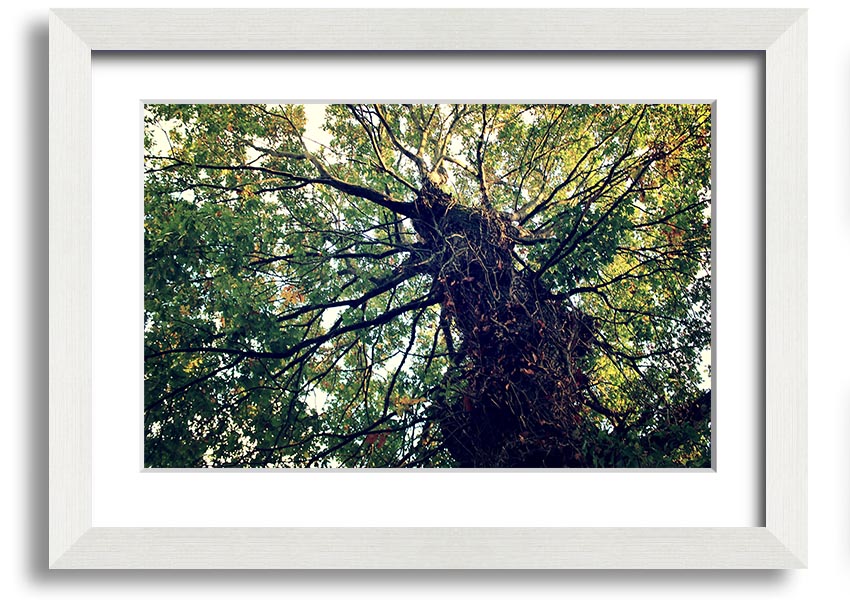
x=314, y=136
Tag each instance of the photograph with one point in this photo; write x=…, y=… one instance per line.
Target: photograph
x=458, y=285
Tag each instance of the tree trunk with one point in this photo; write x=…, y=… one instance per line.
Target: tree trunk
x=516, y=391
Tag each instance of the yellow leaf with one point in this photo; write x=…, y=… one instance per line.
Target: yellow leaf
x=404, y=400
x=192, y=364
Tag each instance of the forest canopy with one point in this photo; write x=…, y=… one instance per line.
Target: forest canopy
x=457, y=285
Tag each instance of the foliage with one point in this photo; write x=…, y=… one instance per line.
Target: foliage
x=436, y=285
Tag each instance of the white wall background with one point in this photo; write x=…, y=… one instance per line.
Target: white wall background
x=23, y=356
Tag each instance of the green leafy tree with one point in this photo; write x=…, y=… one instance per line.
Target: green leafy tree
x=432, y=286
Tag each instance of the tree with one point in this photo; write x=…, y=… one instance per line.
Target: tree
x=435, y=285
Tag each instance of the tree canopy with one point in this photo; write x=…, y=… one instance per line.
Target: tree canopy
x=427, y=285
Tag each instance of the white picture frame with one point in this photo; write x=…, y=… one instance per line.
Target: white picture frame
x=76, y=33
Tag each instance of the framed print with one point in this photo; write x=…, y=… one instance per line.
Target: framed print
x=313, y=257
